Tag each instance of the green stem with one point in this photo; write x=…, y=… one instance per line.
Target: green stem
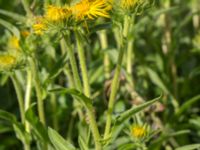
x=18, y=90
x=19, y=94
x=71, y=81
x=90, y=111
x=83, y=64
x=129, y=57
x=104, y=45
x=27, y=146
x=28, y=95
x=77, y=80
x=115, y=81
x=38, y=89
x=26, y=7
x=94, y=128
x=54, y=109
x=114, y=88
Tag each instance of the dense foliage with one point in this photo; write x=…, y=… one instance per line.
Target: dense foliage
x=99, y=74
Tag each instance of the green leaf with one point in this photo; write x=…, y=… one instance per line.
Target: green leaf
x=18, y=127
x=21, y=133
x=39, y=130
x=129, y=113
x=5, y=128
x=129, y=146
x=189, y=147
x=187, y=104
x=82, y=143
x=7, y=116
x=156, y=79
x=158, y=142
x=10, y=27
x=13, y=15
x=80, y=96
x=58, y=141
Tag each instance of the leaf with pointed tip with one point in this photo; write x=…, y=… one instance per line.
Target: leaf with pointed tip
x=187, y=104
x=157, y=80
x=156, y=144
x=80, y=96
x=58, y=141
x=129, y=113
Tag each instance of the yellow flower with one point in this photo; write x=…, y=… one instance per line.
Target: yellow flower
x=7, y=61
x=55, y=13
x=13, y=43
x=128, y=4
x=39, y=28
x=138, y=131
x=91, y=9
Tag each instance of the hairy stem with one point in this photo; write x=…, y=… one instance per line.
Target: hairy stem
x=115, y=81
x=38, y=89
x=83, y=65
x=90, y=111
x=77, y=80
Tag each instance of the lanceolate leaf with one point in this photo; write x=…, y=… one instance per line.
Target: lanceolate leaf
x=39, y=130
x=10, y=27
x=129, y=113
x=187, y=104
x=12, y=15
x=158, y=142
x=157, y=80
x=80, y=96
x=189, y=147
x=58, y=141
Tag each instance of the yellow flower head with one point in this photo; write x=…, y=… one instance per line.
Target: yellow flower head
x=39, y=27
x=13, y=43
x=7, y=62
x=91, y=9
x=138, y=131
x=55, y=13
x=128, y=4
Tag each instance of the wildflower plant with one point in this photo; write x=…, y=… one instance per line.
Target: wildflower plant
x=82, y=71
